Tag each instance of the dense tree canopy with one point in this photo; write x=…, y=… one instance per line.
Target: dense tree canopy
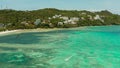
x=13, y=19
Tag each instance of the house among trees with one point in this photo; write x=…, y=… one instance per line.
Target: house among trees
x=45, y=18
x=1, y=25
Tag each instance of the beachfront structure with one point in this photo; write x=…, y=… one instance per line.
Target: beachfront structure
x=73, y=22
x=43, y=22
x=67, y=20
x=37, y=22
x=82, y=18
x=83, y=13
x=56, y=16
x=60, y=23
x=49, y=18
x=51, y=25
x=74, y=19
x=90, y=17
x=1, y=25
x=64, y=18
x=97, y=17
x=24, y=23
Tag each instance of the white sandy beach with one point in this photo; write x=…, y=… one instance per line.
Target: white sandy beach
x=27, y=30
x=35, y=30
x=6, y=32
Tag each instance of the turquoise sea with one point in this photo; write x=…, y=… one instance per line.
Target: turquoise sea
x=88, y=47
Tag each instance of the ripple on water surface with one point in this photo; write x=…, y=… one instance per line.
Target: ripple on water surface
x=91, y=47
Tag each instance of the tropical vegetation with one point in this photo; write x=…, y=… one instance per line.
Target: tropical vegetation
x=54, y=18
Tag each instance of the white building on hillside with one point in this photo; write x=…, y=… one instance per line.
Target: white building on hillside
x=97, y=17
x=90, y=17
x=60, y=23
x=56, y=16
x=1, y=25
x=83, y=13
x=74, y=19
x=64, y=18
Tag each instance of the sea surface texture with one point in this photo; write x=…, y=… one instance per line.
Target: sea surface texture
x=88, y=47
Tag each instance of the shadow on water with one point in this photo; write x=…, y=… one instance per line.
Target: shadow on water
x=30, y=37
x=23, y=38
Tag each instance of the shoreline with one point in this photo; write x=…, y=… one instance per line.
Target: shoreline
x=8, y=31
x=36, y=30
x=28, y=30
x=41, y=30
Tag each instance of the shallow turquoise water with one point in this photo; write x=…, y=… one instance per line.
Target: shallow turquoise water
x=91, y=47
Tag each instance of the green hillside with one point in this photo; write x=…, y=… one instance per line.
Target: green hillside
x=54, y=18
